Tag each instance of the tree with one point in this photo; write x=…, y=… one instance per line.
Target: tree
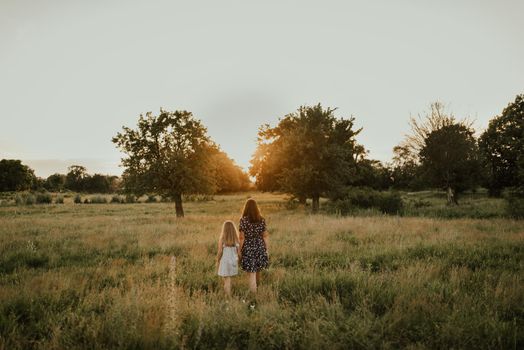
x=502, y=148
x=308, y=154
x=168, y=154
x=422, y=127
x=406, y=168
x=15, y=176
x=228, y=176
x=449, y=159
x=97, y=183
x=55, y=182
x=75, y=178
x=373, y=174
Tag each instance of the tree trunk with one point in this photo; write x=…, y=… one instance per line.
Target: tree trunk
x=452, y=197
x=178, y=205
x=316, y=203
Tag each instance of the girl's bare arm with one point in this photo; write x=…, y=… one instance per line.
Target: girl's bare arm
x=241, y=239
x=219, y=251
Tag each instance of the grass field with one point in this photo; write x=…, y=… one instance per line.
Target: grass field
x=103, y=276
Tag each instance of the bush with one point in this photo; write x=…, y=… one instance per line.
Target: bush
x=86, y=201
x=77, y=199
x=130, y=198
x=116, y=199
x=151, y=199
x=25, y=198
x=98, y=200
x=364, y=198
x=59, y=200
x=44, y=198
x=198, y=198
x=515, y=205
x=390, y=203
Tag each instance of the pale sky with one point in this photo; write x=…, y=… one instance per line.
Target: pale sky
x=73, y=72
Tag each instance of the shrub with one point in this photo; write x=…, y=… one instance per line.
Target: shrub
x=86, y=201
x=116, y=199
x=77, y=199
x=25, y=198
x=98, y=200
x=515, y=205
x=364, y=198
x=130, y=198
x=59, y=200
x=198, y=197
x=420, y=203
x=151, y=199
x=44, y=198
x=390, y=203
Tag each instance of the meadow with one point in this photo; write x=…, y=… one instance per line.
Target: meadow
x=133, y=276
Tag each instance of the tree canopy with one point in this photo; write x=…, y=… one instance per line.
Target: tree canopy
x=439, y=152
x=168, y=154
x=502, y=148
x=15, y=176
x=449, y=159
x=308, y=154
x=229, y=177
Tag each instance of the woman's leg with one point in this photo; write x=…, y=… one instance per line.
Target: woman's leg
x=252, y=278
x=258, y=278
x=227, y=285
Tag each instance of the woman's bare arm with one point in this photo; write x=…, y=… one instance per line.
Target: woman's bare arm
x=265, y=237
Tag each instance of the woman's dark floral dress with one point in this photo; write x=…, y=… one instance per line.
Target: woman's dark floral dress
x=254, y=253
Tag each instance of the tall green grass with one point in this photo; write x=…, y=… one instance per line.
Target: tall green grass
x=103, y=276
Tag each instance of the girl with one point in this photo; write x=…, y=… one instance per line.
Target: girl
x=253, y=243
x=228, y=252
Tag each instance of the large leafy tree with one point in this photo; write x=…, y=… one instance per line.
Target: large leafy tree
x=449, y=159
x=15, y=176
x=168, y=154
x=55, y=182
x=502, y=148
x=406, y=169
x=309, y=153
x=406, y=160
x=229, y=177
x=76, y=177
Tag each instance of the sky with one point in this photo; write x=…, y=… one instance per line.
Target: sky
x=72, y=73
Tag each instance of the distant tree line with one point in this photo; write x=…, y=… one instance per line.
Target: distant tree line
x=310, y=153
x=443, y=152
x=15, y=176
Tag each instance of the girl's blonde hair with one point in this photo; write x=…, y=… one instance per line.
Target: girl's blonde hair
x=229, y=234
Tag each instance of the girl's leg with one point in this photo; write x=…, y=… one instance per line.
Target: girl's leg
x=252, y=278
x=227, y=285
x=258, y=278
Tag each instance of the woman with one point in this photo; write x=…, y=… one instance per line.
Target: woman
x=253, y=243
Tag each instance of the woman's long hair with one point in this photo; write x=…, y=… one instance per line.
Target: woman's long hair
x=251, y=211
x=229, y=234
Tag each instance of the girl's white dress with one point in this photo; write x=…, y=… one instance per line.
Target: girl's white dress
x=228, y=265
